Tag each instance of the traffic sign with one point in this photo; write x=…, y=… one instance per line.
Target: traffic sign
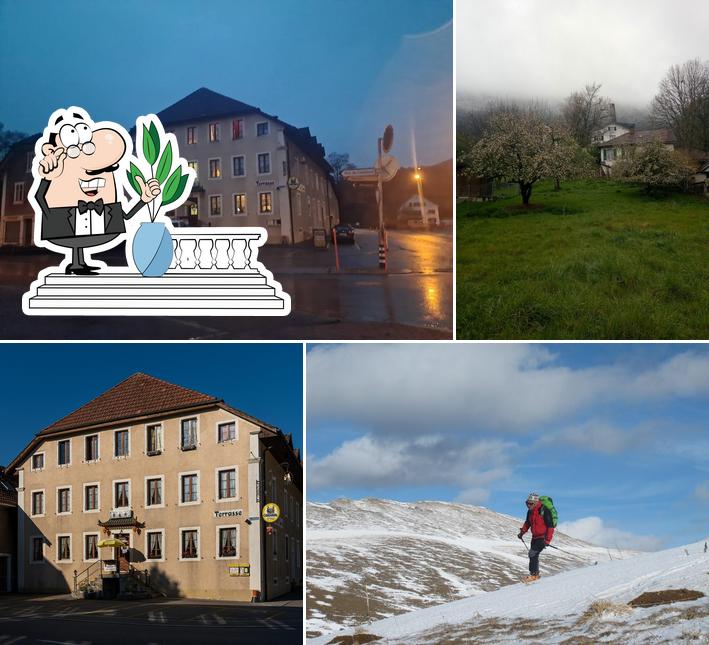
x=361, y=175
x=388, y=138
x=389, y=166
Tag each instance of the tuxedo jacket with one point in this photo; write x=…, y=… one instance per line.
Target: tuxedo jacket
x=61, y=222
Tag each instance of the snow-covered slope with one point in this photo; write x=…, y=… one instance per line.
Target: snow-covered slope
x=374, y=558
x=587, y=605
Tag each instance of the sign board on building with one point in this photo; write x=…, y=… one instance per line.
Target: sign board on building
x=232, y=513
x=293, y=182
x=271, y=512
x=240, y=570
x=265, y=182
x=361, y=174
x=109, y=566
x=320, y=238
x=120, y=514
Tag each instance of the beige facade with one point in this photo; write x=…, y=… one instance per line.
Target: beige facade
x=244, y=181
x=188, y=490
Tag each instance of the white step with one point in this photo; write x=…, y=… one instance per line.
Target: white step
x=178, y=277
x=197, y=290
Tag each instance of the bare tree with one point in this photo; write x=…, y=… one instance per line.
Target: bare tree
x=8, y=138
x=339, y=161
x=584, y=112
x=682, y=104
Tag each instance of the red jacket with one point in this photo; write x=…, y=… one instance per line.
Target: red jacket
x=539, y=520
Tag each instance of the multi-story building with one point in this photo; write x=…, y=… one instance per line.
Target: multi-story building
x=179, y=478
x=253, y=169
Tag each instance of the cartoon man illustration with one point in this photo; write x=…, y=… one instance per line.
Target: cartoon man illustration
x=78, y=192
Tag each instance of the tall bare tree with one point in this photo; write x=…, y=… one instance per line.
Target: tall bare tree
x=339, y=161
x=682, y=104
x=584, y=112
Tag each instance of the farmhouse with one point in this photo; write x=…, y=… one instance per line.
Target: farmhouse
x=175, y=481
x=613, y=149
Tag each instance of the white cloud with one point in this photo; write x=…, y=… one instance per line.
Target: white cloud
x=422, y=389
x=601, y=437
x=472, y=466
x=594, y=530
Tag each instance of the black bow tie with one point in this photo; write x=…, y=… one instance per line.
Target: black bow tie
x=94, y=206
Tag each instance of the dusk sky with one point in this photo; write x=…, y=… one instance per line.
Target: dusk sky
x=546, y=49
x=345, y=69
x=616, y=434
x=40, y=383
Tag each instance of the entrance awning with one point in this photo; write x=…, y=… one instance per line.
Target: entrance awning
x=122, y=523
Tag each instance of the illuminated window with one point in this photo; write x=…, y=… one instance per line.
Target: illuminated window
x=191, y=135
x=265, y=203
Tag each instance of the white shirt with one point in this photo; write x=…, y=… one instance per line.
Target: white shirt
x=90, y=222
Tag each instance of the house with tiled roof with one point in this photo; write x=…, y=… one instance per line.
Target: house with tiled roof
x=178, y=479
x=615, y=148
x=253, y=169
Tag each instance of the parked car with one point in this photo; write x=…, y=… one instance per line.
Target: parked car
x=345, y=233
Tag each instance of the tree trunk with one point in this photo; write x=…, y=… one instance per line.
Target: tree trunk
x=557, y=184
x=526, y=190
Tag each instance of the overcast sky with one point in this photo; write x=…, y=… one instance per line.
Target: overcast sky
x=616, y=434
x=549, y=48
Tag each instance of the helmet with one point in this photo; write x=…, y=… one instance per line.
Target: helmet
x=533, y=497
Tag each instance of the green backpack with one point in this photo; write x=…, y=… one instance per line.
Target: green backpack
x=548, y=503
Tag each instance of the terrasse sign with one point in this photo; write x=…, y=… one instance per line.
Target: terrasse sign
x=231, y=513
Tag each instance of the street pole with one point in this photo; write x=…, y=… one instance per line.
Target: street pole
x=380, y=199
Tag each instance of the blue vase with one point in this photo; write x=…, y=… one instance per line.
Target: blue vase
x=152, y=249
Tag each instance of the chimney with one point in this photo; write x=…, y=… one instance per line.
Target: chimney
x=611, y=110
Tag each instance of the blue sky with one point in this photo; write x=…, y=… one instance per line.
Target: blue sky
x=40, y=383
x=617, y=434
x=343, y=68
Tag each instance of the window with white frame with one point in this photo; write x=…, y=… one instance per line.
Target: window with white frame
x=215, y=168
x=91, y=448
x=237, y=129
x=189, y=544
x=153, y=491
x=189, y=488
x=153, y=438
x=90, y=546
x=215, y=206
x=226, y=431
x=238, y=166
x=64, y=500
x=188, y=434
x=191, y=135
x=265, y=203
x=195, y=166
x=121, y=443
x=64, y=548
x=240, y=204
x=264, y=163
x=214, y=132
x=226, y=483
x=36, y=549
x=38, y=461
x=154, y=541
x=121, y=494
x=64, y=452
x=18, y=195
x=262, y=129
x=91, y=497
x=37, y=503
x=227, y=541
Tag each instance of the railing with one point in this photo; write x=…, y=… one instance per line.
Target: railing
x=143, y=577
x=87, y=575
x=216, y=249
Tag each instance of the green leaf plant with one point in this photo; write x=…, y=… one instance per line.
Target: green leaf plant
x=160, y=159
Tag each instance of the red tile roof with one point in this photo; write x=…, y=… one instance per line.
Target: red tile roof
x=137, y=396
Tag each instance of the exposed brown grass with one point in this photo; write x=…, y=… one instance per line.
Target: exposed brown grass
x=600, y=607
x=664, y=597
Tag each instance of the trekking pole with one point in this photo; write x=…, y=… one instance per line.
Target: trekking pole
x=525, y=544
x=551, y=546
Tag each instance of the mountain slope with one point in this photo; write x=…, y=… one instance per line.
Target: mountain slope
x=373, y=558
x=587, y=605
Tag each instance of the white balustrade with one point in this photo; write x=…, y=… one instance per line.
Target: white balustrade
x=216, y=249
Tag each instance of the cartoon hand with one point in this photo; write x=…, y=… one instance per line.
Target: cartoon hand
x=52, y=165
x=149, y=191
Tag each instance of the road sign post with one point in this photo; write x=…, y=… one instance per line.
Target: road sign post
x=380, y=199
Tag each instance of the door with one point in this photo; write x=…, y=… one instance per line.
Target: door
x=123, y=552
x=4, y=573
x=27, y=233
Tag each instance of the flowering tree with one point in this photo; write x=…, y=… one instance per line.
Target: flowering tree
x=522, y=148
x=654, y=165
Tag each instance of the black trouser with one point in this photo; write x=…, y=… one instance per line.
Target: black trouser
x=535, y=548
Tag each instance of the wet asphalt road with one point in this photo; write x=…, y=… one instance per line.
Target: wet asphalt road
x=88, y=622
x=413, y=298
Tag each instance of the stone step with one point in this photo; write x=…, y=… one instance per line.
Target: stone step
x=135, y=291
x=198, y=304
x=170, y=278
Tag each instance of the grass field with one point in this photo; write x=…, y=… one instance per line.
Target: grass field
x=595, y=260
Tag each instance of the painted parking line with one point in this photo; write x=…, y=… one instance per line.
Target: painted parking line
x=17, y=639
x=157, y=616
x=219, y=619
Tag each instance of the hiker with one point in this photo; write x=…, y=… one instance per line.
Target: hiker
x=539, y=519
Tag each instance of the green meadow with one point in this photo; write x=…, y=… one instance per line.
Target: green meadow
x=595, y=260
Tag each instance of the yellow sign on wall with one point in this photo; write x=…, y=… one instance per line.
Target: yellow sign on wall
x=240, y=570
x=271, y=512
